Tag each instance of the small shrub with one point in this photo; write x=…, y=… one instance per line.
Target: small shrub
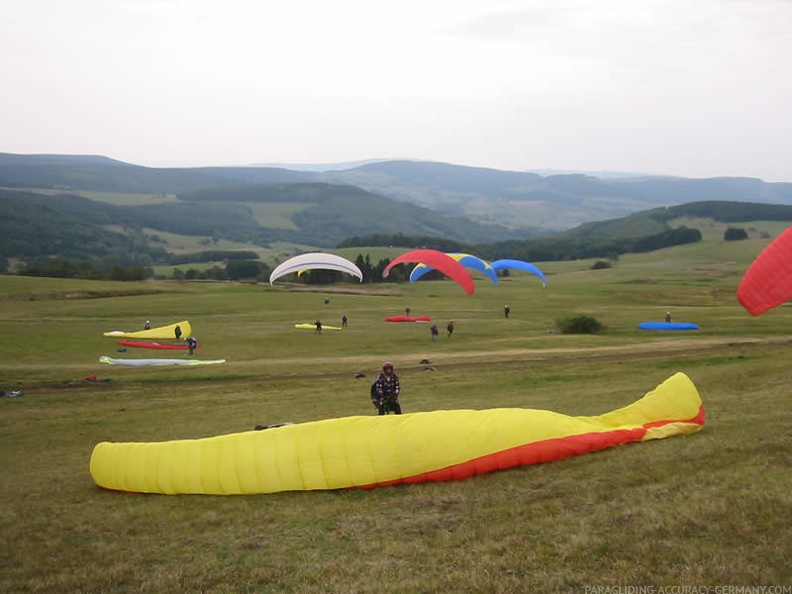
x=579, y=325
x=734, y=234
x=600, y=264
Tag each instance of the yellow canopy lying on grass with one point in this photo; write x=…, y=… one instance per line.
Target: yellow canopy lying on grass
x=371, y=451
x=160, y=333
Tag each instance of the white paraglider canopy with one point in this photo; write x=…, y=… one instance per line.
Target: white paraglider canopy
x=315, y=260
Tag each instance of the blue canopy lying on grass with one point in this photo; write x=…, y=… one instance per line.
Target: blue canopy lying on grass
x=668, y=326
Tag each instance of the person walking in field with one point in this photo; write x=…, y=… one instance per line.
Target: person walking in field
x=318, y=324
x=344, y=321
x=506, y=311
x=450, y=328
x=434, y=331
x=177, y=332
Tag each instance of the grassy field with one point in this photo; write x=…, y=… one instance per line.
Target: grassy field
x=710, y=509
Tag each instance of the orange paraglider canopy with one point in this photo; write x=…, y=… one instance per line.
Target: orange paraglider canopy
x=439, y=261
x=768, y=280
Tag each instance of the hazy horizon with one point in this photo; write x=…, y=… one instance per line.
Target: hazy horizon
x=666, y=87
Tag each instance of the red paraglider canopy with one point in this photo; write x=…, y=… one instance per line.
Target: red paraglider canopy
x=439, y=261
x=768, y=280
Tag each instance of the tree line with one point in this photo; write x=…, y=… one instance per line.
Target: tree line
x=245, y=265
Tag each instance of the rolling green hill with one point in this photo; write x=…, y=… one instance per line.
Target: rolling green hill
x=659, y=219
x=315, y=214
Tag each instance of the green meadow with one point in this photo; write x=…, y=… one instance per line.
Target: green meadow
x=708, y=509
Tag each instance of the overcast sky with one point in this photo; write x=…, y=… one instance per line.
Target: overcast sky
x=696, y=88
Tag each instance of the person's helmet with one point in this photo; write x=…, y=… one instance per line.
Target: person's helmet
x=387, y=365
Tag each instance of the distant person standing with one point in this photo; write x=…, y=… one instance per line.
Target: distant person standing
x=450, y=328
x=506, y=311
x=327, y=301
x=147, y=325
x=407, y=311
x=434, y=331
x=344, y=321
x=177, y=332
x=668, y=317
x=318, y=326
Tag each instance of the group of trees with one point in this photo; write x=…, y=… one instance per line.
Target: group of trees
x=734, y=234
x=405, y=241
x=544, y=249
x=576, y=248
x=211, y=256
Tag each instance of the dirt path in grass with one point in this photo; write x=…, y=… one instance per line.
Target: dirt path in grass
x=654, y=349
x=346, y=366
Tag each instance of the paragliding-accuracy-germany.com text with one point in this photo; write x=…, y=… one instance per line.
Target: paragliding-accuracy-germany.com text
x=688, y=590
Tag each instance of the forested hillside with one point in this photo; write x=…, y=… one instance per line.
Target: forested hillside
x=641, y=232
x=330, y=213
x=656, y=220
x=35, y=225
x=92, y=239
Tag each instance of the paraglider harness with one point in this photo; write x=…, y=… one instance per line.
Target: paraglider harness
x=385, y=404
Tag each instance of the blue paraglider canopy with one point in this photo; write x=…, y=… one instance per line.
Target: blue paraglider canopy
x=519, y=265
x=668, y=326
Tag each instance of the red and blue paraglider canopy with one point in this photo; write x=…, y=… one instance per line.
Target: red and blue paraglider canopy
x=439, y=261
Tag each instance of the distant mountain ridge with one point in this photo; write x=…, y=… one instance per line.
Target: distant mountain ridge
x=517, y=201
x=555, y=202
x=42, y=159
x=319, y=167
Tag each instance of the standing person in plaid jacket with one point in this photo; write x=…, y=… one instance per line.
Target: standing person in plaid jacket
x=385, y=391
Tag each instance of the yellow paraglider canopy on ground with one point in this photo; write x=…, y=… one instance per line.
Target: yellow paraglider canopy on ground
x=371, y=451
x=160, y=333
